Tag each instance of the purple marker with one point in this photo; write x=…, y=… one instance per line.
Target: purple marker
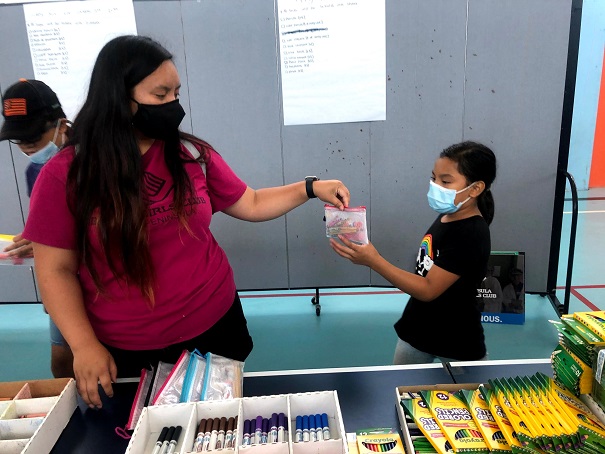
x=280, y=427
x=325, y=426
x=273, y=429
x=265, y=432
x=246, y=439
x=258, y=432
x=298, y=437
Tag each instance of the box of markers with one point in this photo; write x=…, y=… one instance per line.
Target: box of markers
x=34, y=413
x=262, y=424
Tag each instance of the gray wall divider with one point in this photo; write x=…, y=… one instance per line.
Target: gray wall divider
x=486, y=70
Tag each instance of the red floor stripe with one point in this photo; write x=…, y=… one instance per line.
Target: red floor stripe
x=282, y=295
x=585, y=300
x=582, y=286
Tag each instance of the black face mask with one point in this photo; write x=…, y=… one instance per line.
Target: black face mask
x=159, y=121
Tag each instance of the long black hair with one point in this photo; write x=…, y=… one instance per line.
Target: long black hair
x=477, y=163
x=105, y=180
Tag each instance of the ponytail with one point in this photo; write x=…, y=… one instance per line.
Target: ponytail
x=485, y=203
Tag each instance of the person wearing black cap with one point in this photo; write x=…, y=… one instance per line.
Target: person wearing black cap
x=34, y=121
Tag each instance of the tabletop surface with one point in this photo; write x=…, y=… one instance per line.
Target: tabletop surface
x=366, y=396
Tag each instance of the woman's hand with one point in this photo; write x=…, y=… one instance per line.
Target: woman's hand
x=359, y=254
x=333, y=192
x=20, y=247
x=93, y=365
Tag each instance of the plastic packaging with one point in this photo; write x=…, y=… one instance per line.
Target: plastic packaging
x=350, y=223
x=224, y=378
x=194, y=378
x=170, y=393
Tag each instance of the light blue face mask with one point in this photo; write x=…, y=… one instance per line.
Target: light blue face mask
x=43, y=155
x=442, y=199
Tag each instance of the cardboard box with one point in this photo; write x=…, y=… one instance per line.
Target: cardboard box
x=188, y=416
x=56, y=398
x=407, y=440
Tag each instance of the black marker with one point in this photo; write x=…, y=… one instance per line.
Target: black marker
x=174, y=439
x=167, y=440
x=161, y=438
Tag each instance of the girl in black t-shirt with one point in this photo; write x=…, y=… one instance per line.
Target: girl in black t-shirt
x=441, y=319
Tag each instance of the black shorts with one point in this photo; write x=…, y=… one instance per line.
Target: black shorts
x=229, y=337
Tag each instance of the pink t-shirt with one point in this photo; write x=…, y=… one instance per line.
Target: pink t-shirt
x=194, y=281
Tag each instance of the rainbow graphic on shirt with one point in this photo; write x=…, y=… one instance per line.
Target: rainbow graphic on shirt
x=427, y=245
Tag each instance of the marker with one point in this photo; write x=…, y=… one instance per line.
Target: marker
x=174, y=440
x=220, y=440
x=286, y=422
x=166, y=441
x=258, y=432
x=161, y=438
x=273, y=429
x=207, y=434
x=229, y=433
x=305, y=427
x=318, y=427
x=326, y=426
x=246, y=439
x=280, y=427
x=265, y=433
x=312, y=428
x=214, y=434
x=298, y=435
x=197, y=444
x=234, y=432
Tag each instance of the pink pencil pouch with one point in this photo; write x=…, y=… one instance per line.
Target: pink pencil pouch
x=350, y=223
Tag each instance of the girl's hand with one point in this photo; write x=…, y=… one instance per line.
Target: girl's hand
x=359, y=254
x=20, y=247
x=333, y=192
x=93, y=365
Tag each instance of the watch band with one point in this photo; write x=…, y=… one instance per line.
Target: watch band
x=309, y=186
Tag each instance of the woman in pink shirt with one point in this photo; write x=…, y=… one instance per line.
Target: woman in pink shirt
x=127, y=266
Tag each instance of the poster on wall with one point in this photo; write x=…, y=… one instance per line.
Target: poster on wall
x=501, y=296
x=333, y=60
x=65, y=39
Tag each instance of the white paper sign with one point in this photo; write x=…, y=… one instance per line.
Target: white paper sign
x=333, y=60
x=65, y=39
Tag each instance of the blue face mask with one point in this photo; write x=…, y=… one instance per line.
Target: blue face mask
x=43, y=155
x=442, y=199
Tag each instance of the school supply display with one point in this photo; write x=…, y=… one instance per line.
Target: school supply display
x=350, y=223
x=261, y=424
x=581, y=337
x=379, y=440
x=194, y=377
x=527, y=414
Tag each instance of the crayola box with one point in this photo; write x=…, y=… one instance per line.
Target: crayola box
x=379, y=440
x=403, y=391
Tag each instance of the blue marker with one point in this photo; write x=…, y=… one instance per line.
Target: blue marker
x=280, y=427
x=325, y=426
x=318, y=427
x=246, y=439
x=312, y=428
x=305, y=428
x=298, y=437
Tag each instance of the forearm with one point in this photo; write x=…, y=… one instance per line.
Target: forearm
x=410, y=283
x=62, y=297
x=270, y=203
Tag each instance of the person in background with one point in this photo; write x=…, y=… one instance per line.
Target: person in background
x=490, y=292
x=512, y=294
x=126, y=262
x=34, y=121
x=441, y=319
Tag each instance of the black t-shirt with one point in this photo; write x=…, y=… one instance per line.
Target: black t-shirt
x=450, y=325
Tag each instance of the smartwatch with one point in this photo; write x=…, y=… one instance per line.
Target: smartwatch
x=309, y=186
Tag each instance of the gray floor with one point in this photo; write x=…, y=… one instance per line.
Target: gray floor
x=355, y=326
